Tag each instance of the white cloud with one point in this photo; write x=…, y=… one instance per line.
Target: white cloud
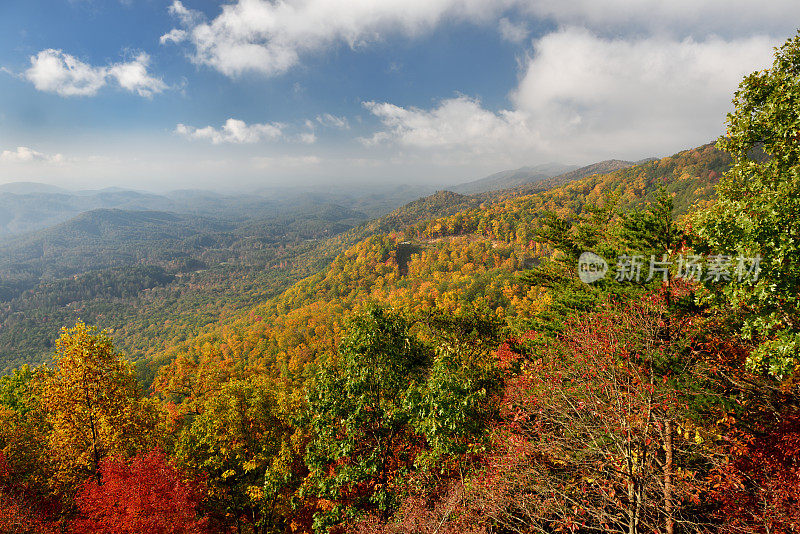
x=236, y=131
x=645, y=93
x=186, y=16
x=582, y=97
x=233, y=131
x=730, y=18
x=460, y=124
x=270, y=37
x=511, y=31
x=133, y=77
x=54, y=71
x=332, y=121
x=175, y=35
x=24, y=154
x=308, y=138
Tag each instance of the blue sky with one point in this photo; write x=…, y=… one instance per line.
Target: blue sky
x=164, y=94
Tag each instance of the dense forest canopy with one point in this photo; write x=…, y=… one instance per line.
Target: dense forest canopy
x=442, y=369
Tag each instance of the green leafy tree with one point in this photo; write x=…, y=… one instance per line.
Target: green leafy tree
x=240, y=443
x=758, y=212
x=24, y=469
x=453, y=406
x=652, y=230
x=362, y=442
x=647, y=231
x=570, y=237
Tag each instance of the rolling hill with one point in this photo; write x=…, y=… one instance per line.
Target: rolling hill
x=213, y=273
x=467, y=257
x=512, y=178
x=26, y=207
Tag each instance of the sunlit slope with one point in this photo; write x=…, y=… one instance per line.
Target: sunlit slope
x=469, y=258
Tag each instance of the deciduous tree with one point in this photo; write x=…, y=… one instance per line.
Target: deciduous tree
x=149, y=496
x=585, y=440
x=92, y=404
x=757, y=212
x=361, y=437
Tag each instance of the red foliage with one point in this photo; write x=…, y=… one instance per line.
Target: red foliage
x=507, y=355
x=583, y=443
x=759, y=487
x=17, y=514
x=18, y=518
x=432, y=513
x=149, y=496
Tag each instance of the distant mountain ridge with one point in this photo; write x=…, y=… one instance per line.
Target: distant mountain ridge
x=601, y=167
x=182, y=272
x=22, y=212
x=28, y=206
x=512, y=178
x=23, y=188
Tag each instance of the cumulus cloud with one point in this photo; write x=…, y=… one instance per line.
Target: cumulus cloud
x=24, y=154
x=455, y=124
x=729, y=18
x=234, y=131
x=646, y=92
x=270, y=37
x=584, y=97
x=132, y=76
x=53, y=71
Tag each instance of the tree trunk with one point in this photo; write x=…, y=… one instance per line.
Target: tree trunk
x=632, y=527
x=94, y=447
x=669, y=527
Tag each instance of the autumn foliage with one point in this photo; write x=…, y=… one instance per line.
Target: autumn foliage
x=453, y=375
x=758, y=485
x=147, y=496
x=18, y=513
x=587, y=434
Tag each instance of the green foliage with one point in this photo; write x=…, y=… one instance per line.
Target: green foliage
x=454, y=405
x=758, y=212
x=648, y=231
x=15, y=390
x=653, y=230
x=238, y=441
x=356, y=415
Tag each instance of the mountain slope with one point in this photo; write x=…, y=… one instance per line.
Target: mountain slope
x=265, y=287
x=27, y=207
x=512, y=178
x=469, y=259
x=101, y=239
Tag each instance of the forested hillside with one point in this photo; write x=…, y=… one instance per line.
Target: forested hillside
x=446, y=368
x=97, y=266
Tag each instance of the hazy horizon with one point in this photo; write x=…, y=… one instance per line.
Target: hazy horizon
x=196, y=94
